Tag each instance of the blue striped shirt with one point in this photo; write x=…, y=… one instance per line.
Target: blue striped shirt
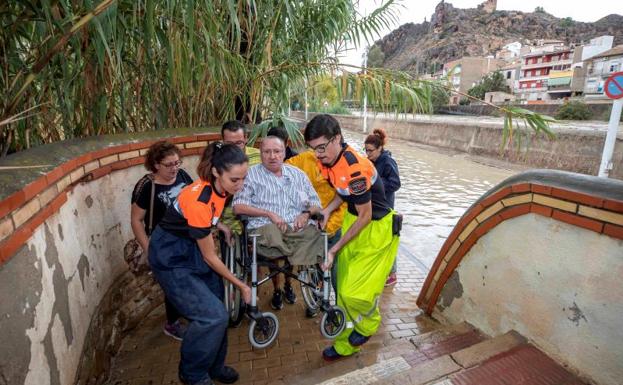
x=285, y=196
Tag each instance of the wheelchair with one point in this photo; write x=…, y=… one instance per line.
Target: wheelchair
x=264, y=326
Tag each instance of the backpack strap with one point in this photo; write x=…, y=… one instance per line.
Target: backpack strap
x=151, y=203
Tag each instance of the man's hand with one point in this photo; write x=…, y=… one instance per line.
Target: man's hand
x=301, y=221
x=330, y=258
x=281, y=224
x=325, y=218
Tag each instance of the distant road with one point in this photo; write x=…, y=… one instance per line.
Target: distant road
x=492, y=121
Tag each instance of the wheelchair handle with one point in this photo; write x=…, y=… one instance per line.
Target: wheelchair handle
x=317, y=217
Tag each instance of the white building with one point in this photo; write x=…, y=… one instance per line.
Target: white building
x=596, y=46
x=599, y=68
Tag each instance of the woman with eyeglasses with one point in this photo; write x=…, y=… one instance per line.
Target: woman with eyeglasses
x=167, y=179
x=183, y=258
x=388, y=171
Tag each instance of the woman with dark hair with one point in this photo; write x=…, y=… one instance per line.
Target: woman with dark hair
x=151, y=197
x=183, y=258
x=388, y=171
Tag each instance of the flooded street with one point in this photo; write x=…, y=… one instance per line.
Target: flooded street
x=436, y=190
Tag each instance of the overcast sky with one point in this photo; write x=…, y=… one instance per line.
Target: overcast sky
x=415, y=11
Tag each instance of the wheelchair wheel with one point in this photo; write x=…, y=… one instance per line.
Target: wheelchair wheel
x=263, y=331
x=311, y=295
x=333, y=322
x=234, y=304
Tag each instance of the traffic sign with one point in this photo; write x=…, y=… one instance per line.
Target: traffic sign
x=614, y=86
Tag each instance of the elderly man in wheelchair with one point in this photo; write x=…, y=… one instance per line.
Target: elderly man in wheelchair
x=278, y=204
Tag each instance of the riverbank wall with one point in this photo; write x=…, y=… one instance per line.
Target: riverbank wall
x=572, y=150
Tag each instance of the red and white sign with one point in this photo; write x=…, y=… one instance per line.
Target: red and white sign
x=614, y=86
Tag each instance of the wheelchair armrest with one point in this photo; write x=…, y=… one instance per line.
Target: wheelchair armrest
x=244, y=219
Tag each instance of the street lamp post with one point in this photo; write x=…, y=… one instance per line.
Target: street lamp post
x=365, y=94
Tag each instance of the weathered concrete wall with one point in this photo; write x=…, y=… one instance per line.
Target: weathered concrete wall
x=600, y=111
x=571, y=151
x=555, y=283
x=58, y=286
x=60, y=277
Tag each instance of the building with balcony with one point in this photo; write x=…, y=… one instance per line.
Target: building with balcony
x=566, y=83
x=535, y=70
x=466, y=72
x=599, y=68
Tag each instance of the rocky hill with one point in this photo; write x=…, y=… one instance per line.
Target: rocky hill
x=453, y=33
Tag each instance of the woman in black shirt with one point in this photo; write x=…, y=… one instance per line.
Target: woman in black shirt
x=167, y=179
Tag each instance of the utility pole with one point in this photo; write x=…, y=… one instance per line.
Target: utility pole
x=305, y=80
x=365, y=94
x=611, y=137
x=613, y=88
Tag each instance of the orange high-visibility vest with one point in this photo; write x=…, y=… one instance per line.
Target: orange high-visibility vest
x=352, y=174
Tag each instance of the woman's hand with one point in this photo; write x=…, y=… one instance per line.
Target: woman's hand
x=245, y=293
x=226, y=233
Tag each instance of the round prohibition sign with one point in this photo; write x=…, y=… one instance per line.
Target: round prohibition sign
x=614, y=86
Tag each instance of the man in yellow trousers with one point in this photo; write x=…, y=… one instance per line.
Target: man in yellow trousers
x=370, y=230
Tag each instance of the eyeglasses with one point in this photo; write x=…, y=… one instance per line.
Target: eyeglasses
x=177, y=163
x=238, y=143
x=369, y=150
x=321, y=148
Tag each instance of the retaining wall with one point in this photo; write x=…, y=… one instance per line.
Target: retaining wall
x=542, y=254
x=572, y=150
x=67, y=298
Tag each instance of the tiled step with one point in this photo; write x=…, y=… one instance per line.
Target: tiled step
x=378, y=365
x=480, y=352
x=521, y=365
x=441, y=366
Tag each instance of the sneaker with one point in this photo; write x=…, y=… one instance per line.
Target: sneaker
x=356, y=339
x=277, y=301
x=290, y=296
x=176, y=330
x=228, y=375
x=391, y=280
x=311, y=313
x=330, y=354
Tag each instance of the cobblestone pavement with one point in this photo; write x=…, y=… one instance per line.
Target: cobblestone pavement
x=147, y=356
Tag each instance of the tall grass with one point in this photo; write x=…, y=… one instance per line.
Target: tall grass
x=78, y=68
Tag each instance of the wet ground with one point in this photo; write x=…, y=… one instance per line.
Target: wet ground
x=148, y=357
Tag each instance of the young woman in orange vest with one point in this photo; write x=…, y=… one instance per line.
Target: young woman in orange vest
x=369, y=242
x=184, y=261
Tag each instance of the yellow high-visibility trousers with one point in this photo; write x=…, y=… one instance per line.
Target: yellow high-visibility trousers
x=363, y=265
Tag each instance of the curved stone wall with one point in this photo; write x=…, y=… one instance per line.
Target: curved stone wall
x=64, y=224
x=542, y=254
